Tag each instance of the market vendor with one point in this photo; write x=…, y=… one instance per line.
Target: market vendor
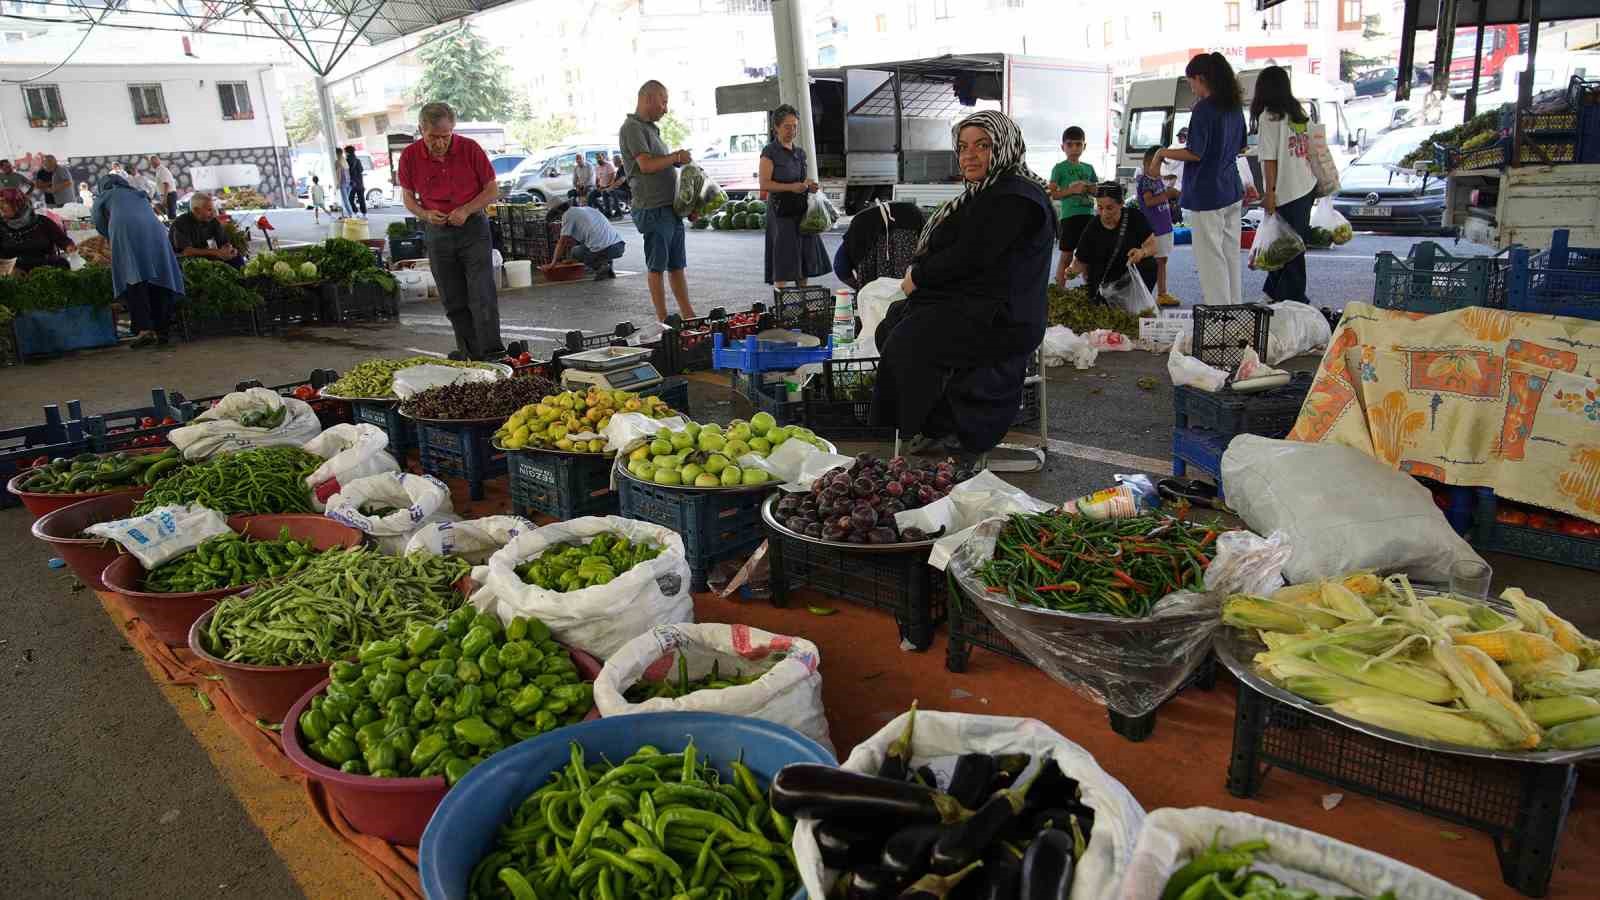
x=31, y=239
x=199, y=233
x=955, y=351
x=144, y=271
x=1118, y=237
x=587, y=236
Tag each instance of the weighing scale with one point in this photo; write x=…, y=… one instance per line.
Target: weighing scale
x=615, y=368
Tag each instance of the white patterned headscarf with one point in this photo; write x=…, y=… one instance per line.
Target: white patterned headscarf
x=1009, y=159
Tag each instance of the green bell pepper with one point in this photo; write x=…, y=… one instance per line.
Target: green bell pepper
x=527, y=700
x=380, y=754
x=469, y=700
x=476, y=731
x=509, y=680
x=376, y=651
x=545, y=720
x=428, y=747
x=460, y=622
x=344, y=671
x=455, y=770
x=489, y=662
x=513, y=654
x=476, y=640
x=423, y=638
x=314, y=725
x=517, y=629
x=364, y=714
x=441, y=684
x=386, y=687
x=422, y=710
x=538, y=631
x=500, y=717
x=468, y=671
x=416, y=682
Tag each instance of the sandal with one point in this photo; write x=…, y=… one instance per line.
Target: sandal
x=1192, y=491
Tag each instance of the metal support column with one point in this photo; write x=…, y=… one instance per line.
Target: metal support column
x=1477, y=70
x=1525, y=85
x=330, y=138
x=1408, y=48
x=794, y=77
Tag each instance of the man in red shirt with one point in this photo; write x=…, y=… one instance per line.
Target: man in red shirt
x=446, y=181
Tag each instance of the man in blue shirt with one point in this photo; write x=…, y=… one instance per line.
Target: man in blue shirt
x=589, y=237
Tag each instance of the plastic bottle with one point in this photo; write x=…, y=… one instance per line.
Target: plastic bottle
x=1133, y=497
x=844, y=316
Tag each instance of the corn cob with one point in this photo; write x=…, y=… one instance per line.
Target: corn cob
x=1423, y=720
x=1551, y=711
x=1343, y=602
x=1400, y=677
x=1536, y=616
x=1581, y=684
x=1490, y=678
x=1367, y=637
x=1481, y=693
x=1327, y=689
x=1511, y=646
x=1246, y=611
x=1283, y=666
x=1565, y=664
x=1574, y=735
x=1365, y=584
x=1308, y=594
x=1485, y=619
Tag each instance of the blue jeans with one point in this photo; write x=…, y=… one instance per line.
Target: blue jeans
x=662, y=231
x=596, y=259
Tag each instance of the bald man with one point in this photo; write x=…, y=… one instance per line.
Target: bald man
x=653, y=178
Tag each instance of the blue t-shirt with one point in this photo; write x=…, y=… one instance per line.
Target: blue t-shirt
x=587, y=226
x=1216, y=137
x=1160, y=215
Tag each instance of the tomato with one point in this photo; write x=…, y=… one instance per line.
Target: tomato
x=524, y=358
x=1542, y=521
x=1508, y=516
x=1579, y=528
x=305, y=392
x=169, y=421
x=148, y=422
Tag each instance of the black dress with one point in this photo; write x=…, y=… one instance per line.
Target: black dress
x=955, y=352
x=39, y=243
x=791, y=256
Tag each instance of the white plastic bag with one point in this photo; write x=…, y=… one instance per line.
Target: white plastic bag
x=417, y=500
x=218, y=429
x=1323, y=215
x=691, y=182
x=1104, y=339
x=1062, y=346
x=414, y=380
x=1301, y=859
x=819, y=216
x=164, y=532
x=351, y=452
x=872, y=305
x=1127, y=292
x=474, y=540
x=788, y=692
x=1117, y=818
x=1187, y=370
x=1340, y=509
x=1295, y=328
x=599, y=619
x=1247, y=563
x=1275, y=246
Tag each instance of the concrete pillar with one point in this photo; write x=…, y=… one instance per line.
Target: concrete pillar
x=330, y=138
x=794, y=78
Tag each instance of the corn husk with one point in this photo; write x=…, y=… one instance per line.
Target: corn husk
x=1307, y=594
x=1343, y=602
x=1536, y=616
x=1574, y=735
x=1365, y=584
x=1325, y=689
x=1578, y=684
x=1368, y=637
x=1282, y=666
x=1400, y=677
x=1479, y=692
x=1508, y=646
x=1565, y=664
x=1485, y=619
x=1423, y=720
x=1246, y=611
x=1548, y=712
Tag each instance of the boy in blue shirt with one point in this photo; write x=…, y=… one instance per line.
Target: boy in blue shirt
x=1154, y=199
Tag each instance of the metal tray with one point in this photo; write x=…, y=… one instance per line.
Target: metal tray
x=324, y=395
x=447, y=423
x=605, y=359
x=606, y=455
x=1236, y=648
x=901, y=547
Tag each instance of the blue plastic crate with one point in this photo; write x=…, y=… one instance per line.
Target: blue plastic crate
x=1201, y=449
x=56, y=436
x=44, y=332
x=385, y=414
x=1523, y=540
x=902, y=584
x=1562, y=281
x=561, y=485
x=753, y=355
x=772, y=398
x=462, y=451
x=1430, y=280
x=120, y=430
x=715, y=525
x=685, y=346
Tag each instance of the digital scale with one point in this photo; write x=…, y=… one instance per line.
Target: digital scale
x=614, y=368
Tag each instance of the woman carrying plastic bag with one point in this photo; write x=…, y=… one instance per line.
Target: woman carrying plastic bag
x=391, y=507
x=352, y=452
x=1276, y=245
x=244, y=420
x=601, y=618
x=787, y=688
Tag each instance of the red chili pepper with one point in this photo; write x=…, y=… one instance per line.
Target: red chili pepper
x=1045, y=536
x=1542, y=522
x=1042, y=558
x=1202, y=558
x=1127, y=579
x=1210, y=536
x=148, y=422
x=1070, y=587
x=995, y=589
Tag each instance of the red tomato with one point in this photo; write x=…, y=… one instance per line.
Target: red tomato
x=1579, y=528
x=148, y=422
x=305, y=392
x=1543, y=522
x=169, y=421
x=524, y=358
x=1509, y=516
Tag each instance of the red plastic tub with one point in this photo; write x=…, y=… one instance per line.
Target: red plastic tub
x=562, y=271
x=170, y=615
x=394, y=809
x=87, y=557
x=265, y=692
x=41, y=504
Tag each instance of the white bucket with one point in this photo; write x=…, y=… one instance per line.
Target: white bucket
x=413, y=286
x=519, y=273
x=353, y=229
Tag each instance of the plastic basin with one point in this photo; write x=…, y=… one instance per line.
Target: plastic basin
x=265, y=692
x=87, y=557
x=170, y=615
x=395, y=809
x=40, y=503
x=463, y=828
x=562, y=271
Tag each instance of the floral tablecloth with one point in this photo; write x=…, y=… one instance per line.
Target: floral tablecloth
x=1477, y=397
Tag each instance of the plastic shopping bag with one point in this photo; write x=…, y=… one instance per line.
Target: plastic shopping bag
x=164, y=532
x=691, y=182
x=1128, y=293
x=1247, y=179
x=391, y=507
x=1063, y=346
x=788, y=689
x=712, y=197
x=244, y=420
x=1324, y=216
x=1295, y=328
x=820, y=214
x=1276, y=245
x=1321, y=161
x=1187, y=370
x=351, y=452
x=474, y=540
x=872, y=305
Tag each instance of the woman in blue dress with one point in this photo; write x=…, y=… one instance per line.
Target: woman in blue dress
x=144, y=270
x=791, y=257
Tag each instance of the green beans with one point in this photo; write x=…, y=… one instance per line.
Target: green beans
x=337, y=603
x=374, y=378
x=263, y=480
x=229, y=560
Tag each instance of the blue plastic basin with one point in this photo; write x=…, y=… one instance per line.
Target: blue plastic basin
x=462, y=830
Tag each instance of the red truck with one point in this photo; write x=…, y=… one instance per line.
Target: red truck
x=1500, y=43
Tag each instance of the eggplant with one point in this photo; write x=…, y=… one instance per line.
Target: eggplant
x=1053, y=788
x=999, y=879
x=937, y=887
x=897, y=762
x=1047, y=867
x=810, y=791
x=1062, y=817
x=845, y=845
x=962, y=844
x=927, y=777
x=1007, y=767
x=871, y=883
x=906, y=851
x=970, y=781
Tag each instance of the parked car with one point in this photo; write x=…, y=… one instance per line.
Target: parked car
x=1375, y=194
x=1382, y=81
x=551, y=177
x=505, y=162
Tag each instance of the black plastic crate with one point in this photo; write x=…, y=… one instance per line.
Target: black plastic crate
x=562, y=485
x=285, y=306
x=1223, y=333
x=463, y=451
x=901, y=583
x=715, y=525
x=123, y=429
x=1489, y=533
x=1521, y=806
x=359, y=302
x=807, y=309
x=412, y=247
x=1268, y=413
x=838, y=402
x=192, y=325
x=20, y=446
x=385, y=414
x=767, y=397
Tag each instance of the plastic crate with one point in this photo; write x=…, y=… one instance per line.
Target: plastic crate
x=360, y=302
x=460, y=451
x=562, y=485
x=284, y=306
x=807, y=309
x=900, y=583
x=1222, y=333
x=1459, y=504
x=1525, y=540
x=1521, y=806
x=755, y=355
x=401, y=248
x=715, y=525
x=1201, y=449
x=121, y=429
x=1268, y=413
x=838, y=402
x=768, y=397
x=19, y=446
x=1430, y=280
x=192, y=325
x=686, y=345
x=1562, y=281
x=402, y=431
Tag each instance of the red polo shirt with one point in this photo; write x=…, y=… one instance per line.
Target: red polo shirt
x=445, y=184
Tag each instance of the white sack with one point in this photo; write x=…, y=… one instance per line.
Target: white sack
x=1295, y=328
x=217, y=430
x=1187, y=370
x=418, y=500
x=474, y=540
x=872, y=304
x=350, y=452
x=164, y=532
x=414, y=380
x=1062, y=346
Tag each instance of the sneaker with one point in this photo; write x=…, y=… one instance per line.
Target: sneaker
x=1167, y=300
x=143, y=340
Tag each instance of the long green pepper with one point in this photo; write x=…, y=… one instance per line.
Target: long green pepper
x=260, y=481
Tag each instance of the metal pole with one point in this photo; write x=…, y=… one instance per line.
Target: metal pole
x=1408, y=47
x=1477, y=70
x=329, y=138
x=1525, y=85
x=286, y=189
x=1443, y=44
x=794, y=77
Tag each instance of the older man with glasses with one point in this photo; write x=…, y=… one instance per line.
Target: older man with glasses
x=198, y=233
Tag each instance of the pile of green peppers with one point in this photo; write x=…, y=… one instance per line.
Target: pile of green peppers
x=229, y=560
x=681, y=686
x=571, y=567
x=1226, y=873
x=443, y=698
x=656, y=826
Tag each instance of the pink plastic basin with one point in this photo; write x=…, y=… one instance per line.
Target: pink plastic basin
x=41, y=504
x=170, y=615
x=87, y=557
x=394, y=809
x=265, y=692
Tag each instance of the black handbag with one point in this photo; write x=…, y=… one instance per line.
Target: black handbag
x=786, y=205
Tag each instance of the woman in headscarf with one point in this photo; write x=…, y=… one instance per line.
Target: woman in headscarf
x=29, y=238
x=144, y=271
x=955, y=351
x=792, y=256
x=879, y=243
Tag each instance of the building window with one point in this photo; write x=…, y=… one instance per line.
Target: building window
x=1232, y=9
x=235, y=100
x=1313, y=12
x=352, y=128
x=882, y=23
x=941, y=9
x=827, y=56
x=358, y=87
x=911, y=13
x=1275, y=17
x=44, y=106
x=380, y=123
x=1155, y=22
x=1106, y=33
x=1349, y=15
x=149, y=106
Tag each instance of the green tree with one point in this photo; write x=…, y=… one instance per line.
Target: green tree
x=543, y=131
x=465, y=72
x=673, y=132
x=303, y=120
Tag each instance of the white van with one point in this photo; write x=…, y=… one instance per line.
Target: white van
x=1552, y=71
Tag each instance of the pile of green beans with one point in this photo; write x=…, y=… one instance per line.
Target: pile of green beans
x=337, y=603
x=657, y=826
x=230, y=560
x=1070, y=563
x=374, y=378
x=263, y=480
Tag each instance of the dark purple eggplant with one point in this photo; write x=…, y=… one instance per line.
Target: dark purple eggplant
x=1054, y=817
x=928, y=777
x=969, y=782
x=872, y=883
x=999, y=879
x=964, y=843
x=845, y=845
x=897, y=762
x=906, y=851
x=810, y=791
x=1053, y=788
x=937, y=887
x=1007, y=767
x=1047, y=867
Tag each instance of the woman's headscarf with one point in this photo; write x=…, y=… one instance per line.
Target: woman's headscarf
x=1009, y=159
x=24, y=215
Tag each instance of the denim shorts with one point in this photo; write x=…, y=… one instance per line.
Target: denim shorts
x=662, y=231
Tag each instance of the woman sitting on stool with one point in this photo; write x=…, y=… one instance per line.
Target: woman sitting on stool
x=955, y=351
